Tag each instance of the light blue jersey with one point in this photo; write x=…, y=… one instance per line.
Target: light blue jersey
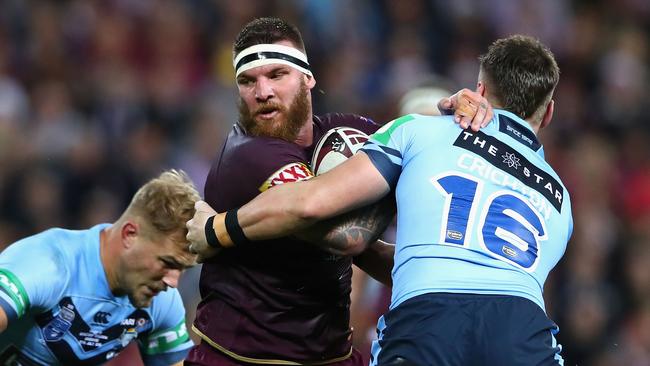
x=54, y=291
x=478, y=212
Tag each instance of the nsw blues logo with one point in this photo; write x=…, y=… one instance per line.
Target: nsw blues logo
x=61, y=323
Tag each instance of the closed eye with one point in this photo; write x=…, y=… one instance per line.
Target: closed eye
x=244, y=81
x=279, y=74
x=172, y=264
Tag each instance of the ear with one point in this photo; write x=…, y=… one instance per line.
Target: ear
x=128, y=233
x=480, y=88
x=548, y=114
x=310, y=82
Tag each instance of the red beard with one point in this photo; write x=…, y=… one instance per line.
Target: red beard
x=285, y=125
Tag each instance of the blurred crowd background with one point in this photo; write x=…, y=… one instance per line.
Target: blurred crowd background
x=98, y=96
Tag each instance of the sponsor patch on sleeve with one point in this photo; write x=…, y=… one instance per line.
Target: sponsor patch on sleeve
x=15, y=292
x=167, y=340
x=292, y=172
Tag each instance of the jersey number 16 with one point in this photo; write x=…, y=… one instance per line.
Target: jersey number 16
x=509, y=228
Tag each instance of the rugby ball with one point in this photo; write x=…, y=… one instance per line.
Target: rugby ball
x=335, y=147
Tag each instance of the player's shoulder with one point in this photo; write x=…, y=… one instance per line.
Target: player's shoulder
x=167, y=306
x=48, y=244
x=166, y=298
x=415, y=119
x=40, y=267
x=56, y=248
x=415, y=124
x=253, y=162
x=256, y=158
x=326, y=122
x=250, y=148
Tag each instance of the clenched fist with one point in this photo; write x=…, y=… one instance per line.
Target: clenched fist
x=196, y=232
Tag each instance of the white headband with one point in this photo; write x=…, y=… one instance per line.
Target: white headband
x=265, y=54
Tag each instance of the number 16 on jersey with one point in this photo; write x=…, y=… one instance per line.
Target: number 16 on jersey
x=508, y=228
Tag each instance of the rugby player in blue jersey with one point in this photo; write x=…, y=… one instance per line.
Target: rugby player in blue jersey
x=482, y=219
x=79, y=297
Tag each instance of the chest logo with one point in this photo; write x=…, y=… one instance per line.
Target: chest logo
x=57, y=327
x=101, y=317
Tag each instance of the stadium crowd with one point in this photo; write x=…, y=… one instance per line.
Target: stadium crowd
x=96, y=97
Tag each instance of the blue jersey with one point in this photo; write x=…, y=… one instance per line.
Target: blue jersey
x=55, y=293
x=478, y=212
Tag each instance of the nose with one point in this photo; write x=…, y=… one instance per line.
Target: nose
x=263, y=90
x=171, y=278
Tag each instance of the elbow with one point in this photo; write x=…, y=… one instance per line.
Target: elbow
x=346, y=243
x=310, y=209
x=353, y=249
x=307, y=212
x=344, y=248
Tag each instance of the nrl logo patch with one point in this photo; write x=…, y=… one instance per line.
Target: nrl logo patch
x=293, y=172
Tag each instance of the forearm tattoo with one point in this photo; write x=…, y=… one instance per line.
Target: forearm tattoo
x=359, y=228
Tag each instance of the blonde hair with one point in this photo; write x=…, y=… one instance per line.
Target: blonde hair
x=165, y=204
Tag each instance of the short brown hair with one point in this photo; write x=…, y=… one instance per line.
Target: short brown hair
x=166, y=203
x=267, y=30
x=522, y=73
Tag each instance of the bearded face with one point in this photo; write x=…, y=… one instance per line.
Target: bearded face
x=286, y=123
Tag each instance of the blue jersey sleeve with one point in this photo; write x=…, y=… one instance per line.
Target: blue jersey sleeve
x=32, y=276
x=169, y=341
x=387, y=147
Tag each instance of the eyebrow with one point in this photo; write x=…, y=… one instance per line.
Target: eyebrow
x=276, y=69
x=175, y=263
x=279, y=68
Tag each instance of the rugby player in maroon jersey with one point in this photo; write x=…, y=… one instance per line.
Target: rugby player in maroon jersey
x=284, y=301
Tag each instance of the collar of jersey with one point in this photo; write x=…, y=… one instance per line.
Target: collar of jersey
x=519, y=121
x=514, y=117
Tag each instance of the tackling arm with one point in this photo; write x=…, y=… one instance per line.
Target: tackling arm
x=290, y=207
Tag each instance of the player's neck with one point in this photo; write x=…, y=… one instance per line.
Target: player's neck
x=531, y=121
x=107, y=256
x=306, y=134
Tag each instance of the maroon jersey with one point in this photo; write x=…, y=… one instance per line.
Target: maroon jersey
x=280, y=299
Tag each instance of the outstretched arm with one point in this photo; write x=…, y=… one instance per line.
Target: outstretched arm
x=346, y=235
x=351, y=185
x=290, y=207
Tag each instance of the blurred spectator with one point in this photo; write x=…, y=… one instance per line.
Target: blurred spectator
x=423, y=97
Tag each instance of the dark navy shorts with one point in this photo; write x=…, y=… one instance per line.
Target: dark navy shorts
x=444, y=329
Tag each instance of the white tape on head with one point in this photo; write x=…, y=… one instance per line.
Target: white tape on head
x=266, y=54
